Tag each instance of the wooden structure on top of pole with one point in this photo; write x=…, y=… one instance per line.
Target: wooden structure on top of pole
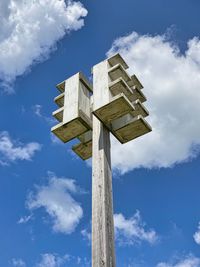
x=113, y=104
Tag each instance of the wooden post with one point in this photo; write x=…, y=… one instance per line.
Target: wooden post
x=103, y=252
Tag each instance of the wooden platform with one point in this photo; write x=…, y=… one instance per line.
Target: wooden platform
x=117, y=72
x=59, y=100
x=61, y=86
x=116, y=108
x=83, y=150
x=135, y=82
x=117, y=59
x=120, y=86
x=139, y=109
x=70, y=130
x=128, y=128
x=138, y=94
x=58, y=114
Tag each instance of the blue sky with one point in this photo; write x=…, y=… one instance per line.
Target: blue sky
x=45, y=191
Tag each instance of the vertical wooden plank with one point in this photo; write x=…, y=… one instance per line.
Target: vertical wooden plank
x=103, y=252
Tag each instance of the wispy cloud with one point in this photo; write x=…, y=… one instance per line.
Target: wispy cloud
x=133, y=230
x=171, y=83
x=12, y=150
x=197, y=235
x=86, y=235
x=52, y=260
x=18, y=262
x=188, y=261
x=24, y=219
x=56, y=199
x=37, y=109
x=30, y=30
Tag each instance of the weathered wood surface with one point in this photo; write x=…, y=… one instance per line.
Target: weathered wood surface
x=74, y=114
x=128, y=128
x=117, y=107
x=103, y=252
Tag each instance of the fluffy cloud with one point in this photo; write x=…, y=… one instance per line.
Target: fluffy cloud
x=197, y=235
x=18, y=263
x=52, y=260
x=171, y=83
x=11, y=150
x=189, y=261
x=29, y=31
x=56, y=199
x=132, y=230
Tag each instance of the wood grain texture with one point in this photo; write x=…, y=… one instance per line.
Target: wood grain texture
x=103, y=252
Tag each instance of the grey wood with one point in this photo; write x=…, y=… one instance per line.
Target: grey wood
x=103, y=252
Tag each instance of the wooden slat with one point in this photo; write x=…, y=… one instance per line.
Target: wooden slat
x=83, y=150
x=116, y=108
x=139, y=109
x=58, y=114
x=120, y=86
x=59, y=100
x=128, y=128
x=135, y=82
x=117, y=72
x=70, y=130
x=61, y=86
x=138, y=94
x=117, y=59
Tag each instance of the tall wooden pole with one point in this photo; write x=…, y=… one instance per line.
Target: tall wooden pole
x=103, y=252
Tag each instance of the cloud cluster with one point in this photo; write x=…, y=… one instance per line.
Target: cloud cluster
x=11, y=150
x=18, y=262
x=189, y=261
x=172, y=85
x=197, y=235
x=56, y=198
x=131, y=231
x=29, y=31
x=52, y=260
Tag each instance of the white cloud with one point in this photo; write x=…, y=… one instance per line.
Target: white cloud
x=24, y=219
x=86, y=235
x=197, y=235
x=11, y=150
x=29, y=32
x=171, y=83
x=37, y=109
x=52, y=260
x=56, y=199
x=132, y=230
x=18, y=263
x=189, y=261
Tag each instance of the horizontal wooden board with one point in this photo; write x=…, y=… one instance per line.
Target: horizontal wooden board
x=120, y=86
x=58, y=114
x=138, y=94
x=117, y=72
x=140, y=109
x=83, y=150
x=59, y=100
x=135, y=82
x=126, y=129
x=61, y=86
x=70, y=130
x=116, y=108
x=117, y=59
